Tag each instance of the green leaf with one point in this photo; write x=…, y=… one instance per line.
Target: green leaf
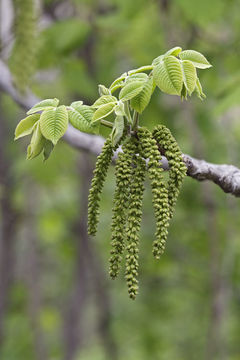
x=81, y=118
x=140, y=102
x=189, y=75
x=168, y=75
x=25, y=126
x=130, y=90
x=136, y=77
x=119, y=109
x=47, y=149
x=37, y=143
x=184, y=92
x=54, y=123
x=157, y=60
x=76, y=104
x=103, y=90
x=85, y=110
x=196, y=58
x=117, y=131
x=43, y=105
x=105, y=99
x=103, y=111
x=118, y=82
x=174, y=51
x=140, y=69
x=198, y=90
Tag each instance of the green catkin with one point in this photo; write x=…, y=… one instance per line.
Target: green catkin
x=149, y=150
x=178, y=169
x=100, y=173
x=133, y=225
x=123, y=173
x=23, y=57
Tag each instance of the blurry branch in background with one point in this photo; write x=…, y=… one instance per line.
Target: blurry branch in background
x=227, y=177
x=9, y=217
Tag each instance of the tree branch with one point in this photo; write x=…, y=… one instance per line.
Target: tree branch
x=225, y=176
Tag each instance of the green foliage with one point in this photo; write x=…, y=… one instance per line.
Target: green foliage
x=25, y=126
x=141, y=100
x=196, y=58
x=117, y=131
x=104, y=99
x=44, y=105
x=130, y=90
x=174, y=73
x=81, y=116
x=103, y=111
x=168, y=75
x=53, y=123
x=37, y=143
x=174, y=312
x=189, y=76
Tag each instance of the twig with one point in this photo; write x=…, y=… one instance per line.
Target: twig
x=227, y=177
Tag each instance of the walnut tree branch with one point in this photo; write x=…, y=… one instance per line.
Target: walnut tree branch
x=227, y=177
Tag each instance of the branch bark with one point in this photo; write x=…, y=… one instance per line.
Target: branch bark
x=227, y=177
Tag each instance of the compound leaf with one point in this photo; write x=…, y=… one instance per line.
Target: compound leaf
x=25, y=126
x=196, y=58
x=168, y=75
x=43, y=105
x=53, y=123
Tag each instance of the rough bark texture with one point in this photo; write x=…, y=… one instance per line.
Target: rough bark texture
x=225, y=176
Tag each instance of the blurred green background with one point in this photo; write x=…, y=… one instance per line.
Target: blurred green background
x=57, y=301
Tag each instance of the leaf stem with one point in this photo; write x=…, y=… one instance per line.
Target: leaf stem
x=127, y=112
x=135, y=120
x=106, y=123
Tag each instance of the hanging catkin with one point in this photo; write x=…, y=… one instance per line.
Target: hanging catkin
x=160, y=194
x=133, y=225
x=120, y=204
x=23, y=57
x=100, y=173
x=178, y=169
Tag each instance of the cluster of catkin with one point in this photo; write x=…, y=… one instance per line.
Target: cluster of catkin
x=141, y=154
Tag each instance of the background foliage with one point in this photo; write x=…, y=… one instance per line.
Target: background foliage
x=57, y=301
